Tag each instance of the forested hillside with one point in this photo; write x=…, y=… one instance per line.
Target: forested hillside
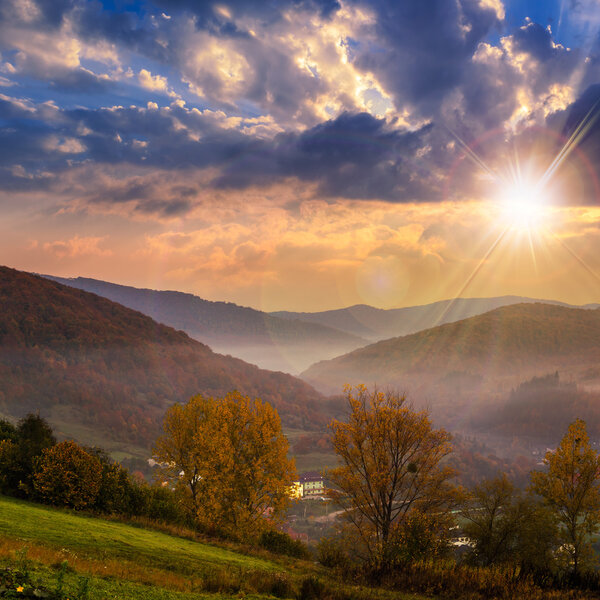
x=512, y=342
x=539, y=409
x=105, y=366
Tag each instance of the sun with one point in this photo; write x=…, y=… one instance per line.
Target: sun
x=522, y=205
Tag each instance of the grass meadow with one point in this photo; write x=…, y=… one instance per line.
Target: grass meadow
x=123, y=561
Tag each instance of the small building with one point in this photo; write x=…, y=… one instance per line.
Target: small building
x=313, y=484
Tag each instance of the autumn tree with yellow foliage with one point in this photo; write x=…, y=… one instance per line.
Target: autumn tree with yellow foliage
x=184, y=447
x=571, y=487
x=228, y=458
x=395, y=492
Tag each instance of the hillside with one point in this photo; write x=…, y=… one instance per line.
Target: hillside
x=130, y=562
x=84, y=361
x=511, y=343
x=270, y=342
x=378, y=324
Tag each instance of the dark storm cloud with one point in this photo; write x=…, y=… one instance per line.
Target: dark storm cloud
x=268, y=10
x=425, y=48
x=128, y=29
x=423, y=54
x=81, y=81
x=536, y=41
x=354, y=156
x=138, y=29
x=586, y=110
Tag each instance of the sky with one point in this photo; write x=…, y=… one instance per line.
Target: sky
x=304, y=154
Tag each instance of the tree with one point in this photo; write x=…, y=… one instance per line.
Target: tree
x=67, y=475
x=507, y=527
x=230, y=457
x=115, y=494
x=571, y=488
x=7, y=431
x=19, y=452
x=491, y=523
x=391, y=480
x=185, y=446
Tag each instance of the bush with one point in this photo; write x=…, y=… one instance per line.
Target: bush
x=221, y=581
x=312, y=588
x=281, y=586
x=330, y=553
x=281, y=543
x=20, y=449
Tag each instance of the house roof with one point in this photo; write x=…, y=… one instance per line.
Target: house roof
x=311, y=476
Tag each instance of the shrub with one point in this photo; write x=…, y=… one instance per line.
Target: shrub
x=20, y=449
x=311, y=588
x=281, y=543
x=116, y=494
x=281, y=586
x=330, y=553
x=160, y=504
x=219, y=581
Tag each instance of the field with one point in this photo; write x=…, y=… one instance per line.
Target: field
x=124, y=561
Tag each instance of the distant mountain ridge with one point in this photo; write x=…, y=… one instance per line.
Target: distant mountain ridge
x=377, y=324
x=513, y=342
x=85, y=361
x=254, y=336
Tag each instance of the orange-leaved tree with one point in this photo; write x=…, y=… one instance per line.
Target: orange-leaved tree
x=395, y=493
x=230, y=456
x=571, y=487
x=67, y=475
x=182, y=450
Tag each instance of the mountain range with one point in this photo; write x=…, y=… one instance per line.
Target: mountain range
x=289, y=345
x=101, y=371
x=377, y=324
x=91, y=365
x=283, y=340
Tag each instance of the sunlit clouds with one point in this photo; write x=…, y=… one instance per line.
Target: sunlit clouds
x=307, y=156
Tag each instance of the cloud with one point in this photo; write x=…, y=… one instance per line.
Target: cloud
x=351, y=99
x=438, y=38
x=155, y=83
x=353, y=156
x=77, y=246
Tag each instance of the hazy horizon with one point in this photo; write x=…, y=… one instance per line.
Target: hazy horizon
x=284, y=309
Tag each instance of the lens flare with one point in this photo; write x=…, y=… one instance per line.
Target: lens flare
x=522, y=205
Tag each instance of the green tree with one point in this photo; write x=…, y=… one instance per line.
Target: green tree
x=571, y=488
x=7, y=431
x=66, y=475
x=19, y=452
x=116, y=494
x=230, y=457
x=391, y=483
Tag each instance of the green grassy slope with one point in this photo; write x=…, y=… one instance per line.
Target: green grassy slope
x=87, y=535
x=125, y=561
